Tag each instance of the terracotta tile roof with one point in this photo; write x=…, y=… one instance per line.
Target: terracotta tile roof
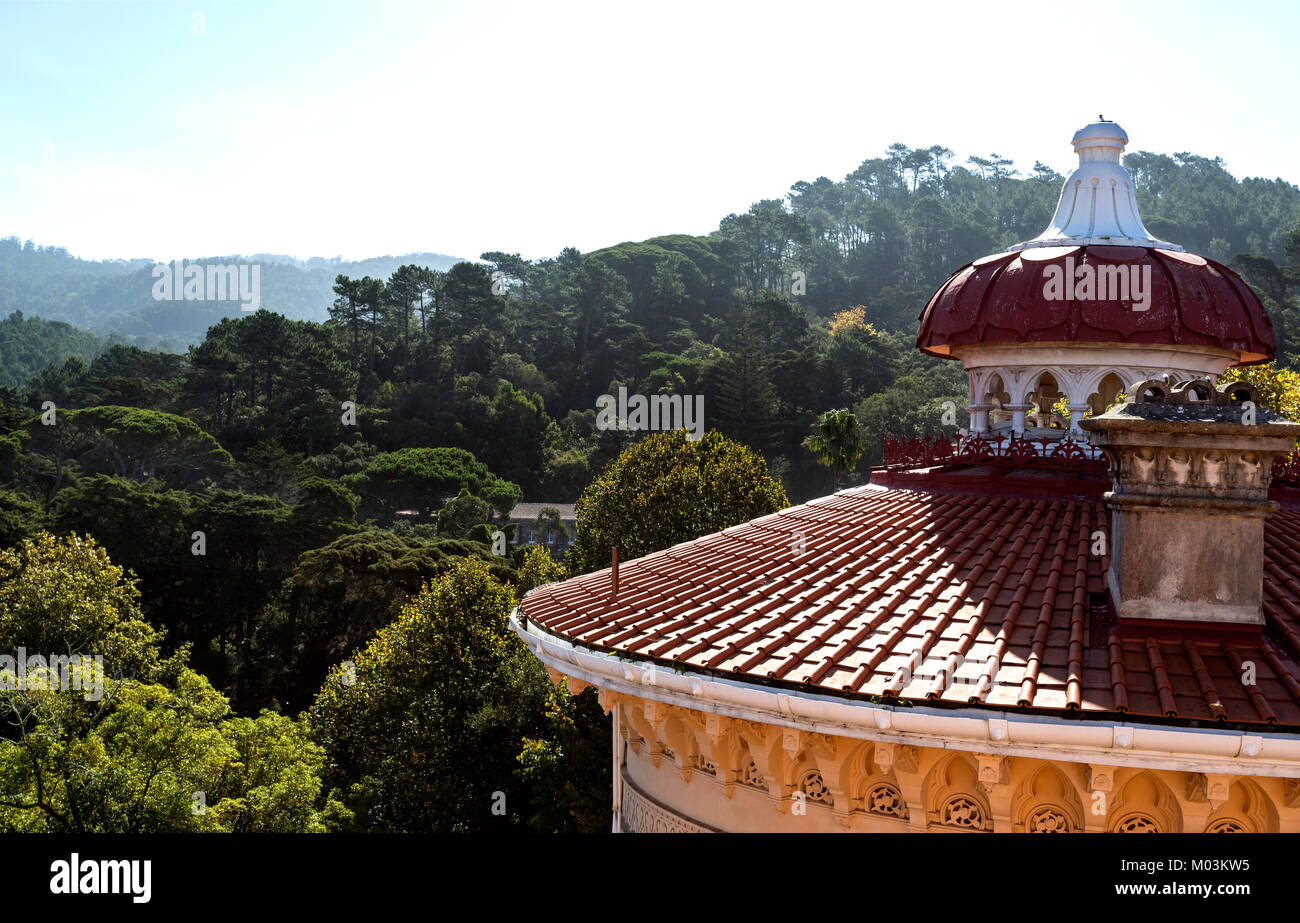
x=989, y=597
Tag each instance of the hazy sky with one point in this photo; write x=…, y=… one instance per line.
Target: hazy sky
x=360, y=129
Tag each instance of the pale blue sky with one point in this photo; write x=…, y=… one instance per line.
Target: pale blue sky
x=358, y=129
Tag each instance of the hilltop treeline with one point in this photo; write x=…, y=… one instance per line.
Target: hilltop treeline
x=506, y=358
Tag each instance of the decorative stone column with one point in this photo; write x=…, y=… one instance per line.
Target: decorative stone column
x=979, y=417
x=1190, y=498
x=1018, y=417
x=1076, y=417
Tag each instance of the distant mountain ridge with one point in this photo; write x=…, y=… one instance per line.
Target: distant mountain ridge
x=885, y=236
x=114, y=298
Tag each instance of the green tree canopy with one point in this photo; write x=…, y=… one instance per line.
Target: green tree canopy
x=420, y=479
x=146, y=745
x=667, y=489
x=337, y=596
x=426, y=728
x=129, y=442
x=462, y=513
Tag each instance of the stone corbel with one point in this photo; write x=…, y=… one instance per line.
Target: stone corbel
x=656, y=716
x=993, y=770
x=755, y=734
x=1218, y=789
x=727, y=773
x=636, y=715
x=823, y=746
x=791, y=742
x=1099, y=778
x=656, y=713
x=890, y=756
x=715, y=727
x=721, y=744
x=1204, y=795
x=792, y=745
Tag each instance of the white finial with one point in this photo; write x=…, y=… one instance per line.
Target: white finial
x=1098, y=204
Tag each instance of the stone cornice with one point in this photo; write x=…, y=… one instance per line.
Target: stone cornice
x=1209, y=750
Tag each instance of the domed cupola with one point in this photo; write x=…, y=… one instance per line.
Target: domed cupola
x=1089, y=307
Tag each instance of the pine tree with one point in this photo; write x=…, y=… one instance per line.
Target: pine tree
x=746, y=403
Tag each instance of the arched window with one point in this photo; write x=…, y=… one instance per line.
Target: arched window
x=953, y=798
x=1046, y=801
x=1145, y=804
x=1247, y=810
x=1108, y=391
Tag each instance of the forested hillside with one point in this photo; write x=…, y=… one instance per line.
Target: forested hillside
x=28, y=344
x=506, y=358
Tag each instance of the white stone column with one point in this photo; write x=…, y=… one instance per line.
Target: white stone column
x=1076, y=414
x=1018, y=417
x=979, y=417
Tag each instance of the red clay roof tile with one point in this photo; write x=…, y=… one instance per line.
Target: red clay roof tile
x=941, y=594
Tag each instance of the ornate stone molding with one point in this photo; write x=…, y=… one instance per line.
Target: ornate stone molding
x=642, y=814
x=1206, y=470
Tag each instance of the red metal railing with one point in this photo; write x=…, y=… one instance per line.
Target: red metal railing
x=1016, y=451
x=1003, y=450
x=1286, y=469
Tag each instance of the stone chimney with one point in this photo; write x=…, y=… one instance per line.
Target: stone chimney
x=1191, y=466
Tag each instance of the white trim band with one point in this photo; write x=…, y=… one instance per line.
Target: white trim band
x=970, y=729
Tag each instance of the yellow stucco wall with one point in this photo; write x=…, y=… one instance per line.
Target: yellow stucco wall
x=685, y=771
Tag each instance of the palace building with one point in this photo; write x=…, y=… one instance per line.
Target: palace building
x=1083, y=616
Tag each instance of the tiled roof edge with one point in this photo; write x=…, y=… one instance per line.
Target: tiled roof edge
x=1159, y=744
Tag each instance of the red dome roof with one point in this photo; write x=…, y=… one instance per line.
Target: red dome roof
x=1004, y=298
